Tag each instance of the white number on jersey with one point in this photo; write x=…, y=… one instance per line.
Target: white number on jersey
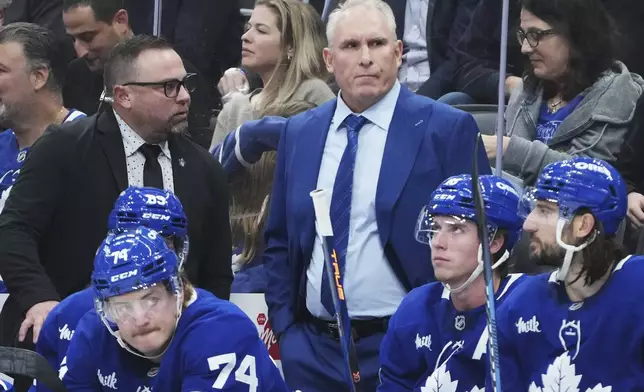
x=246, y=372
x=63, y=368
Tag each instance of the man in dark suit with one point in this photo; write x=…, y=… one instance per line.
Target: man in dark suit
x=95, y=26
x=430, y=31
x=207, y=35
x=56, y=214
x=381, y=149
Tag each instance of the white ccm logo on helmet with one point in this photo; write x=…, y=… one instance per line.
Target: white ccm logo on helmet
x=592, y=167
x=124, y=275
x=444, y=197
x=151, y=215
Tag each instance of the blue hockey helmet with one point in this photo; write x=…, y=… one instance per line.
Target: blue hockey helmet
x=154, y=208
x=454, y=197
x=6, y=386
x=130, y=261
x=581, y=183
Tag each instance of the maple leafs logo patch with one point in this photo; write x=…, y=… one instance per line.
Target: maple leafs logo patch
x=441, y=381
x=560, y=376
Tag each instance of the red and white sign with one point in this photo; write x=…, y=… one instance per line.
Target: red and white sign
x=255, y=307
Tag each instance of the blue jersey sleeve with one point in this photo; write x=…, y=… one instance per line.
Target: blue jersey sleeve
x=402, y=363
x=47, y=346
x=232, y=360
x=78, y=368
x=47, y=342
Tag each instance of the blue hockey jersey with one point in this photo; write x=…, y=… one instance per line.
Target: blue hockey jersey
x=432, y=347
x=96, y=362
x=59, y=327
x=217, y=347
x=548, y=343
x=12, y=159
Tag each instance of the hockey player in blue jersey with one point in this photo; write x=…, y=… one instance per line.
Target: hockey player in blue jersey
x=437, y=338
x=154, y=208
x=153, y=330
x=580, y=328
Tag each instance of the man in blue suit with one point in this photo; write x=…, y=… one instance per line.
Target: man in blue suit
x=380, y=149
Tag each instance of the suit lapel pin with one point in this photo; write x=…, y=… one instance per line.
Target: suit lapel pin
x=182, y=162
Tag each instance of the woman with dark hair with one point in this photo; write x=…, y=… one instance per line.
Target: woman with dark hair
x=575, y=98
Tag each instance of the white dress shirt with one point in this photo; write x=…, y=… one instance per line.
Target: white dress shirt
x=371, y=286
x=415, y=68
x=136, y=160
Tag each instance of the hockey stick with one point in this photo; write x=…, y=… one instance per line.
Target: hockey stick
x=21, y=362
x=490, y=307
x=321, y=205
x=156, y=27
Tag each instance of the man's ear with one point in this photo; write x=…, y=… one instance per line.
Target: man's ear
x=582, y=225
x=121, y=96
x=497, y=243
x=327, y=54
x=39, y=77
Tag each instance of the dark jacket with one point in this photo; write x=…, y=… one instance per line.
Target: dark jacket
x=478, y=53
x=207, y=35
x=56, y=215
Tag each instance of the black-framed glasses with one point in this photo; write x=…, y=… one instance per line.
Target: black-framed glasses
x=533, y=36
x=171, y=87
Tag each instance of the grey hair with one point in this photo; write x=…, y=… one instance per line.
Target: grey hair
x=4, y=4
x=41, y=50
x=341, y=10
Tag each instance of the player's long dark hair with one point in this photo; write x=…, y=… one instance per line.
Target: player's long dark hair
x=600, y=256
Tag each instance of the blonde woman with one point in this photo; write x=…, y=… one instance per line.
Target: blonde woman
x=250, y=192
x=283, y=44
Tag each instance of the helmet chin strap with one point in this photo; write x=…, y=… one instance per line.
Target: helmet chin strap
x=479, y=268
x=570, y=249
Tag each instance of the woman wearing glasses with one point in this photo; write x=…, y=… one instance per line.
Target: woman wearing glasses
x=575, y=98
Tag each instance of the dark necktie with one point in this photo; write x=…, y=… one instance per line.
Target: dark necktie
x=152, y=175
x=341, y=205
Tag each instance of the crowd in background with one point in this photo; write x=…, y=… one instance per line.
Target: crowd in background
x=572, y=86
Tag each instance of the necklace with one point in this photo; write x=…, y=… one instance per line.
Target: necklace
x=553, y=107
x=60, y=117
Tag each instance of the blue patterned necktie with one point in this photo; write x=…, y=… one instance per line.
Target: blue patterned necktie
x=341, y=205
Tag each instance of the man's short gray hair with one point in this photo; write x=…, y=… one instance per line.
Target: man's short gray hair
x=340, y=11
x=4, y=4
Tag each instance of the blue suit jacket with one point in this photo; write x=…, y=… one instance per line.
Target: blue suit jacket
x=427, y=142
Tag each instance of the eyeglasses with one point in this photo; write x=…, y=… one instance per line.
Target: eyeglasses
x=171, y=87
x=533, y=36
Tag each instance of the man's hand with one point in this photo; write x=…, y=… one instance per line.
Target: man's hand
x=490, y=145
x=35, y=318
x=233, y=80
x=636, y=209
